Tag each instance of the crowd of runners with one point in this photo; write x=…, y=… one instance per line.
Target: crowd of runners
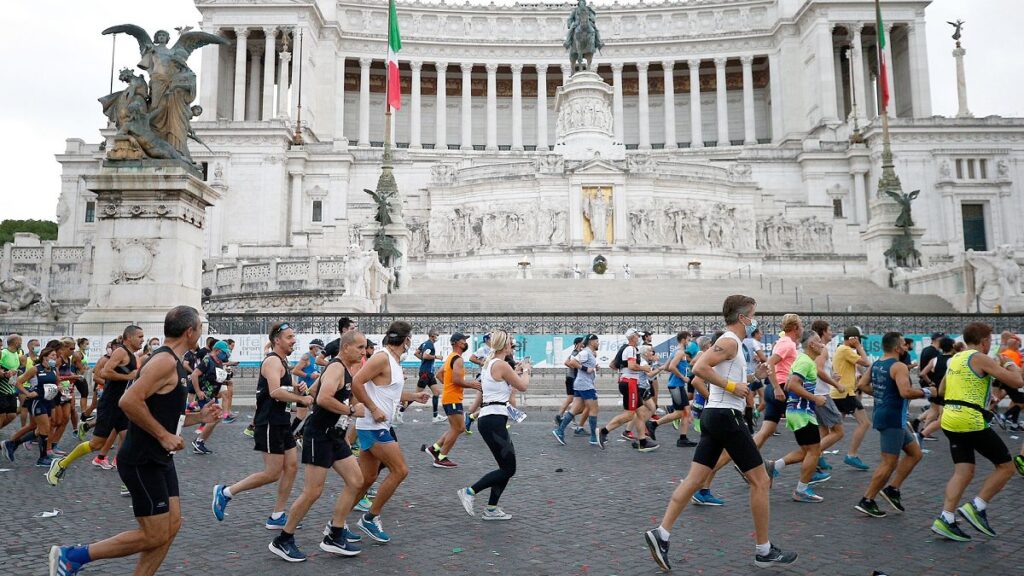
x=335, y=409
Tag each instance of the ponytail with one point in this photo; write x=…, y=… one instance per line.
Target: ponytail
x=499, y=341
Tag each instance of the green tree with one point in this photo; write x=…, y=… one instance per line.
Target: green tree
x=45, y=229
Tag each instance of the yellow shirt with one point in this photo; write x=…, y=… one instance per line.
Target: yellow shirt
x=844, y=364
x=963, y=383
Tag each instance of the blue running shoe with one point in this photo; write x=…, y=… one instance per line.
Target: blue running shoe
x=704, y=497
x=349, y=535
x=364, y=504
x=9, y=449
x=341, y=547
x=220, y=501
x=286, y=550
x=819, y=477
x=856, y=462
x=60, y=565
x=823, y=464
x=559, y=435
x=278, y=524
x=807, y=495
x=44, y=462
x=374, y=529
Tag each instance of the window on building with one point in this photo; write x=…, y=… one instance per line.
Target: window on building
x=959, y=169
x=206, y=170
x=90, y=212
x=318, y=211
x=837, y=208
x=970, y=169
x=975, y=237
x=983, y=169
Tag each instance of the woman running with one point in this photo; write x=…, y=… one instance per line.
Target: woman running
x=45, y=373
x=498, y=379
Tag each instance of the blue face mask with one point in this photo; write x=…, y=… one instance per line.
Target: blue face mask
x=751, y=328
x=223, y=356
x=52, y=364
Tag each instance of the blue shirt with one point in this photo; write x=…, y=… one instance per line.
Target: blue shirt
x=427, y=366
x=890, y=408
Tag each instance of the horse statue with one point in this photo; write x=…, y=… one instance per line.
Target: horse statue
x=583, y=39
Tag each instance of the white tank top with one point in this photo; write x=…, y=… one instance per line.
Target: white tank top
x=386, y=397
x=735, y=370
x=494, y=391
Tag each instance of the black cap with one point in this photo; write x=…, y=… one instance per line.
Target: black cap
x=578, y=340
x=458, y=336
x=589, y=338
x=851, y=332
x=938, y=335
x=317, y=342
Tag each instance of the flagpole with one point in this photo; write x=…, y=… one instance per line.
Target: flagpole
x=889, y=180
x=297, y=137
x=387, y=102
x=113, y=52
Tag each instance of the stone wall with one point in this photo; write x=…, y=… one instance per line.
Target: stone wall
x=60, y=273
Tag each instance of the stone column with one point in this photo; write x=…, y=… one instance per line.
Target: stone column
x=211, y=80
x=668, y=66
x=467, y=106
x=282, y=83
x=252, y=104
x=269, y=61
x=918, y=43
x=542, y=107
x=414, y=104
x=566, y=74
x=696, y=129
x=860, y=199
x=961, y=83
x=644, y=129
x=298, y=53
x=837, y=79
x=492, y=106
x=775, y=79
x=364, y=101
x=517, y=107
x=889, y=65
x=749, y=128
x=296, y=223
x=441, y=103
x=241, y=41
x=339, y=99
x=857, y=66
x=722, y=102
x=620, y=125
x=826, y=73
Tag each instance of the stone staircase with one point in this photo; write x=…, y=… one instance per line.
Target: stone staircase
x=653, y=295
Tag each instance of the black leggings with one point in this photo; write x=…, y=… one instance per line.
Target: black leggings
x=492, y=430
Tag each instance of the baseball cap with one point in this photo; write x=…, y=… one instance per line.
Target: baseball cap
x=632, y=332
x=458, y=336
x=589, y=337
x=222, y=345
x=938, y=335
x=577, y=340
x=851, y=332
x=317, y=342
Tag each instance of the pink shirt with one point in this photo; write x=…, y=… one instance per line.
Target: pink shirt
x=785, y=349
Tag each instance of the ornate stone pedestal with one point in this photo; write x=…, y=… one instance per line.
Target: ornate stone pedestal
x=149, y=242
x=879, y=237
x=585, y=129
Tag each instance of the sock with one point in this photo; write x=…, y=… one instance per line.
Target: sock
x=78, y=554
x=434, y=402
x=492, y=506
x=369, y=517
x=763, y=549
x=980, y=504
x=79, y=451
x=469, y=422
x=801, y=487
x=276, y=515
x=42, y=446
x=1013, y=413
x=285, y=536
x=604, y=430
x=441, y=456
x=948, y=517
x=227, y=492
x=437, y=447
x=780, y=464
x=592, y=420
x=663, y=533
x=566, y=418
x=336, y=533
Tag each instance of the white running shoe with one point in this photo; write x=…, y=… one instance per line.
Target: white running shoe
x=467, y=500
x=496, y=514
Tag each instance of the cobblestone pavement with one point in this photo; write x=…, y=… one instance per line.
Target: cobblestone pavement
x=577, y=510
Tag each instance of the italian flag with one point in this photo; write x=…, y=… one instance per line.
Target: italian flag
x=883, y=77
x=394, y=45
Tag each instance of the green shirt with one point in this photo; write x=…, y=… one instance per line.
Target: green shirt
x=8, y=361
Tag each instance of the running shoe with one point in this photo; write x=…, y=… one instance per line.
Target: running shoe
x=558, y=419
x=374, y=529
x=627, y=435
x=1018, y=461
x=602, y=440
x=371, y=493
x=430, y=451
x=675, y=424
x=444, y=463
x=774, y=556
x=870, y=508
x=819, y=477
x=806, y=495
x=286, y=550
x=55, y=474
x=124, y=491
x=892, y=496
x=467, y=500
x=976, y=518
x=60, y=565
x=579, y=431
x=229, y=419
x=949, y=530
x=102, y=463
x=113, y=462
x=559, y=435
x=658, y=548
x=595, y=442
x=704, y=497
x=647, y=446
x=495, y=514
x=364, y=504
x=58, y=453
x=773, y=473
x=349, y=535
x=439, y=419
x=341, y=547
x=199, y=429
x=199, y=447
x=276, y=524
x=81, y=429
x=684, y=442
x=9, y=449
x=823, y=464
x=652, y=428
x=856, y=462
x=249, y=431
x=220, y=501
x=44, y=462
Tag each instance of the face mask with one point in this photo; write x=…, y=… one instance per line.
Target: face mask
x=52, y=364
x=223, y=356
x=35, y=350
x=750, y=328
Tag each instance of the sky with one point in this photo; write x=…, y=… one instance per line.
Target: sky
x=57, y=64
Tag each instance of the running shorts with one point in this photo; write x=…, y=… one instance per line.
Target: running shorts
x=1014, y=394
x=83, y=387
x=274, y=439
x=963, y=445
x=426, y=380
x=151, y=485
x=324, y=449
x=585, y=394
x=725, y=429
x=646, y=394
x=848, y=405
x=367, y=438
x=39, y=407
x=109, y=417
x=774, y=410
x=894, y=439
x=9, y=404
x=630, y=394
x=808, y=435
x=453, y=409
x=828, y=415
x=569, y=380
x=679, y=398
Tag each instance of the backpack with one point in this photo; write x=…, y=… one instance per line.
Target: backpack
x=616, y=363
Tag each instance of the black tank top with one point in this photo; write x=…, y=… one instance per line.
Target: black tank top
x=45, y=376
x=268, y=410
x=941, y=365
x=139, y=446
x=322, y=420
x=117, y=387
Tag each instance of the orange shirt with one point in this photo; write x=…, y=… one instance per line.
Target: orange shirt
x=1013, y=355
x=451, y=394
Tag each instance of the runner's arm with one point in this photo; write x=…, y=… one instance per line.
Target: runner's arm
x=374, y=366
x=862, y=356
x=824, y=375
x=506, y=373
x=328, y=383
x=273, y=374
x=572, y=362
x=20, y=382
x=118, y=358
x=459, y=376
x=718, y=353
x=797, y=388
x=673, y=364
x=1007, y=374
x=864, y=382
x=298, y=369
x=901, y=374
x=700, y=386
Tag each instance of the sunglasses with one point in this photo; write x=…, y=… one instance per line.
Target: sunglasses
x=278, y=330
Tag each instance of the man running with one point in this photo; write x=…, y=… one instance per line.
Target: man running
x=830, y=421
x=274, y=437
x=967, y=424
x=585, y=364
x=678, y=367
x=427, y=353
x=10, y=367
x=570, y=379
x=118, y=373
x=848, y=356
x=627, y=361
x=207, y=379
x=155, y=406
x=722, y=428
x=453, y=375
x=889, y=381
x=783, y=356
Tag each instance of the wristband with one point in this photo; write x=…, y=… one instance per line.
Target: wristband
x=730, y=386
x=927, y=392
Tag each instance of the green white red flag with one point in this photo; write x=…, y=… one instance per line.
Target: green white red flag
x=883, y=76
x=394, y=45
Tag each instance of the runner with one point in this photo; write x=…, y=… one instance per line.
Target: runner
x=781, y=361
x=585, y=364
x=453, y=375
x=848, y=356
x=274, y=437
x=754, y=350
x=932, y=375
x=155, y=405
x=88, y=417
x=678, y=380
x=478, y=358
x=722, y=428
x=889, y=381
x=323, y=449
x=967, y=425
x=830, y=421
x=570, y=379
x=207, y=380
x=117, y=374
x=334, y=346
x=499, y=379
x=80, y=367
x=427, y=354
x=307, y=371
x=10, y=368
x=378, y=386
x=41, y=398
x=627, y=362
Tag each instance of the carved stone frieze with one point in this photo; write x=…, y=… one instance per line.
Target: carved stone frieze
x=134, y=259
